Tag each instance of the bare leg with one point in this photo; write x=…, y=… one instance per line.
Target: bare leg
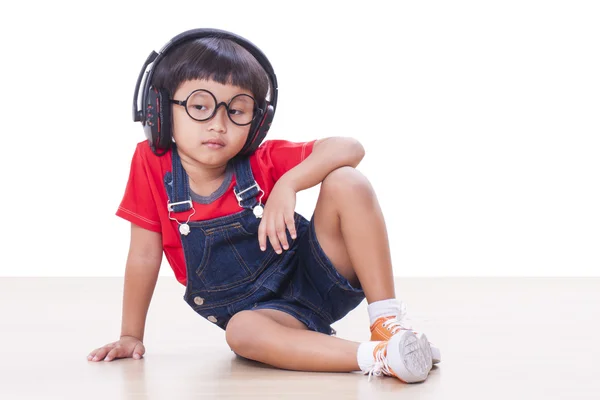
x=276, y=338
x=351, y=230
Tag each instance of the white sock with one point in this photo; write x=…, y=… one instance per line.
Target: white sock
x=383, y=308
x=364, y=356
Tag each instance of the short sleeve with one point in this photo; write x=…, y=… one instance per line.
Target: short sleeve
x=138, y=205
x=279, y=156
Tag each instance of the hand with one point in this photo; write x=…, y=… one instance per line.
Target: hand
x=277, y=215
x=126, y=347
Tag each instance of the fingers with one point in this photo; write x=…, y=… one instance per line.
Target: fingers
x=99, y=354
x=274, y=241
x=266, y=229
x=280, y=232
x=262, y=235
x=274, y=228
x=138, y=351
x=116, y=350
x=290, y=224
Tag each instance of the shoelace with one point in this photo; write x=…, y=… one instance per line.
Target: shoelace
x=400, y=322
x=380, y=366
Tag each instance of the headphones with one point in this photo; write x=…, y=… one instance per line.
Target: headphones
x=155, y=114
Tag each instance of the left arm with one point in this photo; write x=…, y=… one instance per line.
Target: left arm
x=328, y=155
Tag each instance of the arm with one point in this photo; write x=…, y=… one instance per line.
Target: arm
x=141, y=274
x=328, y=155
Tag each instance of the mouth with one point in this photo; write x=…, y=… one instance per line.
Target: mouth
x=214, y=143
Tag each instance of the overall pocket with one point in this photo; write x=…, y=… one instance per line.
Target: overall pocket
x=231, y=257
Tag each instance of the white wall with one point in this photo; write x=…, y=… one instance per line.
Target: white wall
x=480, y=121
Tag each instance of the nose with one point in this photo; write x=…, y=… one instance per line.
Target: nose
x=219, y=121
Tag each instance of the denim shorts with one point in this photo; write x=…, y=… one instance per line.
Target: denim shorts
x=316, y=295
x=230, y=276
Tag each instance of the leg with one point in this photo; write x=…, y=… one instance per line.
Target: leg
x=275, y=338
x=278, y=339
x=351, y=230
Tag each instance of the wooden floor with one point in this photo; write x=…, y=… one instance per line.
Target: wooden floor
x=500, y=339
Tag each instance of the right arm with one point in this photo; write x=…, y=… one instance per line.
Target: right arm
x=141, y=274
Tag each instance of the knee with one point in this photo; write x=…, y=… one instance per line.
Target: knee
x=240, y=335
x=347, y=183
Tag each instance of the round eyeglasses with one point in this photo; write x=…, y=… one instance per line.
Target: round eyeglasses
x=201, y=105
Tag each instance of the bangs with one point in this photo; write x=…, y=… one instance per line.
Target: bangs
x=217, y=59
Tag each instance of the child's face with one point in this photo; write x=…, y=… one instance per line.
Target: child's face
x=191, y=136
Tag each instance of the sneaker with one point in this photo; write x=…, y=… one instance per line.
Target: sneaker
x=385, y=328
x=405, y=356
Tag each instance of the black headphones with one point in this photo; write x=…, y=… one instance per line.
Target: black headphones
x=155, y=114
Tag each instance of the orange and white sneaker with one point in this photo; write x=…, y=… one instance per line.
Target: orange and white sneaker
x=404, y=356
x=384, y=328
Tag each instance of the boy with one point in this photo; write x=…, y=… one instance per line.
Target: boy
x=221, y=207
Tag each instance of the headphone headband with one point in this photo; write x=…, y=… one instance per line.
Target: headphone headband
x=154, y=59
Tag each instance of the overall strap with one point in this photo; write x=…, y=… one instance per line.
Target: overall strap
x=246, y=188
x=177, y=185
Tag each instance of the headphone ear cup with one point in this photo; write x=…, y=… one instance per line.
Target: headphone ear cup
x=166, y=122
x=259, y=131
x=157, y=121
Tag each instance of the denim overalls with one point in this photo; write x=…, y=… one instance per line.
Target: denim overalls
x=227, y=272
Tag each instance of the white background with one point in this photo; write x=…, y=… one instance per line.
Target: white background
x=480, y=121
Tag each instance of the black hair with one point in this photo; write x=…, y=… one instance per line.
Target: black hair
x=217, y=59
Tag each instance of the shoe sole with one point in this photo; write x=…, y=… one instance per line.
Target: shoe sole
x=435, y=354
x=409, y=356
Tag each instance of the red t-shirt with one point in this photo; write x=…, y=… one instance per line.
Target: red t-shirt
x=145, y=199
